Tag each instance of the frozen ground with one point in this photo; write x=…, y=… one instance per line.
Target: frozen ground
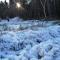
x=29, y=40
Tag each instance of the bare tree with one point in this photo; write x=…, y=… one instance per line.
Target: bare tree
x=43, y=3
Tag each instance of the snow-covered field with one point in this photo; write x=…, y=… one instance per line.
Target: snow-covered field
x=29, y=40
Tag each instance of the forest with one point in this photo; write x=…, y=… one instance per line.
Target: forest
x=36, y=9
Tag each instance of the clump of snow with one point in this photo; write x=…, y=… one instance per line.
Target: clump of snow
x=16, y=19
x=36, y=42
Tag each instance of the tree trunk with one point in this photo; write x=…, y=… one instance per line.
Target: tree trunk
x=44, y=12
x=48, y=8
x=44, y=7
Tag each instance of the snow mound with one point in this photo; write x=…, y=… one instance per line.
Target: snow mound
x=42, y=43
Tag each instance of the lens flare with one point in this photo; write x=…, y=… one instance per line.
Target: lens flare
x=18, y=5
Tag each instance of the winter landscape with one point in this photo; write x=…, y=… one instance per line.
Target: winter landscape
x=29, y=40
x=29, y=29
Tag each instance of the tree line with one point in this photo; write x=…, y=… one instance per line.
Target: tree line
x=36, y=9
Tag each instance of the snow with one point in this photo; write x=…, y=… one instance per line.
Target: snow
x=29, y=40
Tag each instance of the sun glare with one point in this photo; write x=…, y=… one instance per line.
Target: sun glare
x=18, y=5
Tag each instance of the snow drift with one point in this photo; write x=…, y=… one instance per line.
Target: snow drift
x=42, y=43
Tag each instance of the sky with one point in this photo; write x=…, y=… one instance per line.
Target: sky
x=28, y=1
x=4, y=0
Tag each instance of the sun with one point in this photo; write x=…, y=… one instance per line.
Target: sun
x=18, y=5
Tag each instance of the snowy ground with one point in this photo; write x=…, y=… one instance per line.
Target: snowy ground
x=29, y=40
